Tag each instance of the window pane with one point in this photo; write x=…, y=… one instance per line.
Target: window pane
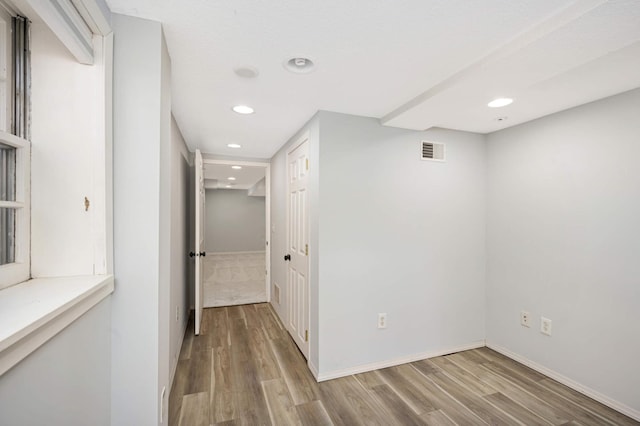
x=7, y=235
x=7, y=173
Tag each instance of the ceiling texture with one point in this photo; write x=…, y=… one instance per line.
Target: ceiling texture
x=413, y=64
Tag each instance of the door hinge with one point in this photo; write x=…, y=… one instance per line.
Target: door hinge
x=307, y=163
x=306, y=249
x=306, y=335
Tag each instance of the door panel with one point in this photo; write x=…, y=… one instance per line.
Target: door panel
x=199, y=237
x=298, y=246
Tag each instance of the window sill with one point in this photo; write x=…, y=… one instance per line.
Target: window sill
x=33, y=312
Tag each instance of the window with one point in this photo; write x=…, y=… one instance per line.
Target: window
x=14, y=150
x=14, y=209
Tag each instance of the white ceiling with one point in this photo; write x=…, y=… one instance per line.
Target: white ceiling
x=412, y=63
x=216, y=176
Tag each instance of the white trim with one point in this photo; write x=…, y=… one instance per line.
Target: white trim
x=19, y=270
x=174, y=368
x=62, y=17
x=267, y=207
x=593, y=394
x=396, y=361
x=33, y=312
x=314, y=370
x=235, y=252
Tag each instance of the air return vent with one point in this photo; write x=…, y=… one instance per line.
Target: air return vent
x=432, y=151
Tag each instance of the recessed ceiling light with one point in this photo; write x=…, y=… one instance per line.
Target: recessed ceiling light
x=500, y=102
x=243, y=109
x=231, y=178
x=246, y=72
x=234, y=145
x=299, y=65
x=236, y=167
x=227, y=186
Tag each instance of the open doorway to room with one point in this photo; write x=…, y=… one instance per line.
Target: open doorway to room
x=236, y=224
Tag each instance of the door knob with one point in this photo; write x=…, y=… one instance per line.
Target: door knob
x=287, y=257
x=202, y=253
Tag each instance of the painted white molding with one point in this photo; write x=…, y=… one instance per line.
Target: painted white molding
x=314, y=370
x=618, y=406
x=33, y=312
x=396, y=361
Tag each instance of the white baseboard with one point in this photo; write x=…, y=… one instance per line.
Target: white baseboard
x=174, y=366
x=393, y=362
x=618, y=406
x=313, y=369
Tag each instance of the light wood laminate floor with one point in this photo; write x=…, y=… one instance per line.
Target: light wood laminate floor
x=245, y=370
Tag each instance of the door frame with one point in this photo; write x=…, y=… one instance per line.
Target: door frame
x=267, y=207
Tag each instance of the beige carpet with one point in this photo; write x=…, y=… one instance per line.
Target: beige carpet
x=234, y=279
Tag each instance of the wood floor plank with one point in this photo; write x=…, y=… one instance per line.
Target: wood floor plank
x=301, y=383
x=199, y=374
x=608, y=414
x=396, y=378
x=480, y=407
x=262, y=355
x=439, y=399
x=462, y=376
x=354, y=401
x=370, y=379
x=516, y=410
x=222, y=386
x=524, y=398
x=195, y=410
x=401, y=412
x=576, y=412
x=313, y=413
x=437, y=418
x=281, y=408
x=426, y=367
x=493, y=356
x=219, y=329
x=178, y=388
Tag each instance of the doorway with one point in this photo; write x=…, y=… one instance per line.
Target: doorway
x=236, y=223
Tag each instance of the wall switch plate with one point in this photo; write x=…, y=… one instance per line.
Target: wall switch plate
x=525, y=319
x=382, y=320
x=545, y=326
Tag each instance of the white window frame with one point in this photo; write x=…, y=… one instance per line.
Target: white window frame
x=19, y=271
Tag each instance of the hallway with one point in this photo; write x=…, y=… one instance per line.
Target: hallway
x=245, y=370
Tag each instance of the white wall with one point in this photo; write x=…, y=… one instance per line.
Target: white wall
x=68, y=159
x=388, y=233
x=141, y=154
x=563, y=242
x=234, y=221
x=65, y=381
x=180, y=264
x=398, y=235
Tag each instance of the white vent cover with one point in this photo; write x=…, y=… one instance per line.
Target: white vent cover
x=433, y=151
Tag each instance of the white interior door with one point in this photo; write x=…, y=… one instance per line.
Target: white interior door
x=298, y=246
x=199, y=237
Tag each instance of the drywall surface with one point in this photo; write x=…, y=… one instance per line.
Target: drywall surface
x=67, y=380
x=397, y=235
x=234, y=221
x=138, y=141
x=180, y=261
x=563, y=242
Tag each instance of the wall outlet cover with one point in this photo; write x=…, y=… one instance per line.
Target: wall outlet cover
x=545, y=326
x=525, y=319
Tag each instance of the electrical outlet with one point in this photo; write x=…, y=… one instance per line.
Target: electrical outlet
x=545, y=326
x=382, y=320
x=177, y=313
x=525, y=319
